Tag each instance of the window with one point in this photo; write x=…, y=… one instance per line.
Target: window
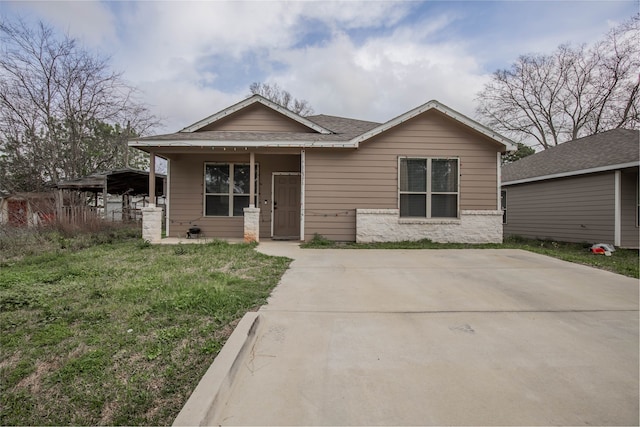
x=227, y=188
x=503, y=204
x=428, y=187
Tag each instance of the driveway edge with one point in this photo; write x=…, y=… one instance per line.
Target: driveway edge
x=216, y=382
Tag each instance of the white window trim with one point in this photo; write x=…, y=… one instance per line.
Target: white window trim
x=230, y=194
x=429, y=193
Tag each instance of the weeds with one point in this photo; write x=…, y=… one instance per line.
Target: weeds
x=17, y=243
x=120, y=333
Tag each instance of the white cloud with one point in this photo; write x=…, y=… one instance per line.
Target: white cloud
x=382, y=78
x=368, y=60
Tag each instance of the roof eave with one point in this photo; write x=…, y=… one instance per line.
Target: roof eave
x=247, y=143
x=252, y=100
x=572, y=173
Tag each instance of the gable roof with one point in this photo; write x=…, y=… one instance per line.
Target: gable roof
x=252, y=100
x=331, y=131
x=614, y=149
x=435, y=105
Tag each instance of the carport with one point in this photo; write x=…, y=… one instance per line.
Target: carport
x=126, y=183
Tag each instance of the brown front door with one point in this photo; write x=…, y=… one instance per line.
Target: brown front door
x=286, y=206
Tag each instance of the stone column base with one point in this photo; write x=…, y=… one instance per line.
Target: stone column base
x=152, y=224
x=251, y=225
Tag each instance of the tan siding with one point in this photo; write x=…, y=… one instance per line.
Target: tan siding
x=187, y=193
x=257, y=118
x=576, y=209
x=629, y=229
x=338, y=182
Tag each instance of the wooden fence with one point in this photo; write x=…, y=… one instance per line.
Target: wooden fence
x=76, y=215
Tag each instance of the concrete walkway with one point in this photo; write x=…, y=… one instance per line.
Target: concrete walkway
x=429, y=337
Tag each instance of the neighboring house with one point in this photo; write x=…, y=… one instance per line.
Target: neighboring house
x=257, y=170
x=585, y=190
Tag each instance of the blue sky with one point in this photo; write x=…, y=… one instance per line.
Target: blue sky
x=368, y=60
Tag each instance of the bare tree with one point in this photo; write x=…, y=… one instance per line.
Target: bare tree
x=62, y=110
x=571, y=93
x=281, y=97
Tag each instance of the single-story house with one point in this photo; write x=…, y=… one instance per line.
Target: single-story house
x=257, y=170
x=585, y=190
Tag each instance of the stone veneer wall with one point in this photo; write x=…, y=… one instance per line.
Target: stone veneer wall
x=385, y=225
x=251, y=225
x=152, y=224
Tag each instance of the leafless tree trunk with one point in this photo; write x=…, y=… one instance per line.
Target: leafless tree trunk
x=573, y=92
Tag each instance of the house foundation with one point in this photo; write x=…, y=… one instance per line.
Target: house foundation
x=386, y=225
x=152, y=224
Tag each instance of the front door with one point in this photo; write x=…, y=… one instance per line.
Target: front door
x=286, y=206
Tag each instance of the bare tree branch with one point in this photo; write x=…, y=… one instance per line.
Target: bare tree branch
x=281, y=97
x=573, y=92
x=61, y=109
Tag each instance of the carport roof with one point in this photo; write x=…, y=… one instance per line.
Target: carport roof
x=122, y=181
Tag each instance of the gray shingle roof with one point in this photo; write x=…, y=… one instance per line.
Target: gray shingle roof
x=344, y=129
x=324, y=131
x=606, y=149
x=342, y=125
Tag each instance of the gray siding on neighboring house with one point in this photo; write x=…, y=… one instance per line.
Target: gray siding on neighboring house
x=573, y=209
x=186, y=189
x=340, y=181
x=629, y=205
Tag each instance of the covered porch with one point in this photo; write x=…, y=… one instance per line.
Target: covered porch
x=230, y=193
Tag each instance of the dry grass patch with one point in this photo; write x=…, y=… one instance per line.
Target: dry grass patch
x=120, y=333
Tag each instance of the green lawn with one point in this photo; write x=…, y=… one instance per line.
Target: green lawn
x=100, y=330
x=622, y=261
x=120, y=333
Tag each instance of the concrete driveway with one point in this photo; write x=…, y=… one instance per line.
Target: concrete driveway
x=429, y=337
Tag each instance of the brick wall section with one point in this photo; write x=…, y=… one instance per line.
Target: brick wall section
x=385, y=225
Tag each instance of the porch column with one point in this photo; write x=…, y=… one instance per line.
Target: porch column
x=151, y=215
x=252, y=214
x=152, y=179
x=252, y=179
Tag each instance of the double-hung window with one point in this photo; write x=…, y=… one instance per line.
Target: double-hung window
x=429, y=187
x=227, y=188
